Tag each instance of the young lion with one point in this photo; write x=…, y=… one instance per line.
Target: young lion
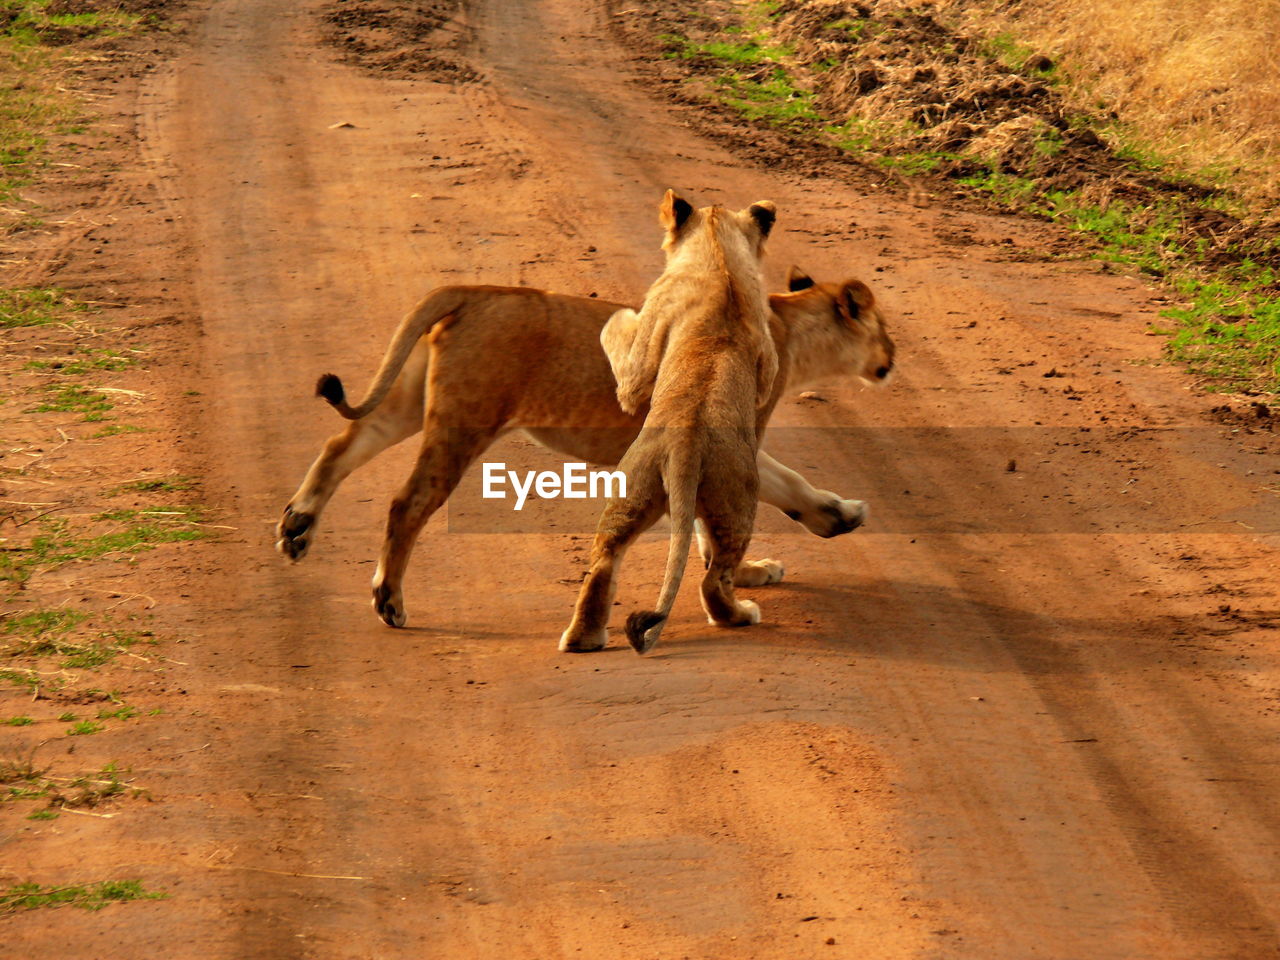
x=700, y=353
x=563, y=396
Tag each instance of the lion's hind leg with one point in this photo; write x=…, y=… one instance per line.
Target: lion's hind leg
x=622, y=520
x=723, y=608
x=446, y=454
x=750, y=573
x=728, y=518
x=343, y=453
x=397, y=418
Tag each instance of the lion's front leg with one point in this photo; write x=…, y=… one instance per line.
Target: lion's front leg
x=617, y=337
x=821, y=512
x=635, y=350
x=622, y=520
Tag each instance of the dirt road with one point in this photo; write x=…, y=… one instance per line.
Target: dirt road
x=1007, y=720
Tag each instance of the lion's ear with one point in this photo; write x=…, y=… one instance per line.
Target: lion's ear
x=855, y=298
x=763, y=213
x=798, y=280
x=674, y=213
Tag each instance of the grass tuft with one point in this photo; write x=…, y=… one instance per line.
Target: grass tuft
x=93, y=896
x=34, y=306
x=74, y=398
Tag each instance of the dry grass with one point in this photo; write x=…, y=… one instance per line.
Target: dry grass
x=1191, y=80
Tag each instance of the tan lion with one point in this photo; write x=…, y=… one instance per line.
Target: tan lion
x=700, y=354
x=471, y=363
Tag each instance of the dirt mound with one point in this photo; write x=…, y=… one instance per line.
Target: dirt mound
x=419, y=39
x=75, y=7
x=927, y=88
x=1250, y=417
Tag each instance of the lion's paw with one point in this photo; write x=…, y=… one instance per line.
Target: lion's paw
x=583, y=641
x=758, y=573
x=838, y=516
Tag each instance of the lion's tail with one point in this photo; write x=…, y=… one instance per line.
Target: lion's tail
x=437, y=305
x=645, y=626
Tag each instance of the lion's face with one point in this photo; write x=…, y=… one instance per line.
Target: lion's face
x=838, y=328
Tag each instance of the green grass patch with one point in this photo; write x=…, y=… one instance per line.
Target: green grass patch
x=28, y=23
x=775, y=99
x=89, y=790
x=925, y=161
x=25, y=793
x=35, y=306
x=43, y=633
x=17, y=722
x=37, y=623
x=93, y=896
x=23, y=679
x=856, y=28
x=33, y=103
x=1004, y=48
x=119, y=713
x=31, y=108
x=88, y=656
x=74, y=398
x=137, y=531
x=83, y=728
x=43, y=815
x=42, y=646
x=90, y=361
x=1229, y=333
x=116, y=429
x=744, y=53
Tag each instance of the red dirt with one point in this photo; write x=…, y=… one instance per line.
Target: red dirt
x=958, y=733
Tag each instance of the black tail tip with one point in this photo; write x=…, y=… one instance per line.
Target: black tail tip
x=330, y=387
x=639, y=623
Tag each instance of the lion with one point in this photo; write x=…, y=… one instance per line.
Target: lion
x=450, y=373
x=699, y=353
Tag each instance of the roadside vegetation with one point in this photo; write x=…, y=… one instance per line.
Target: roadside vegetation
x=1192, y=83
x=966, y=98
x=77, y=515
